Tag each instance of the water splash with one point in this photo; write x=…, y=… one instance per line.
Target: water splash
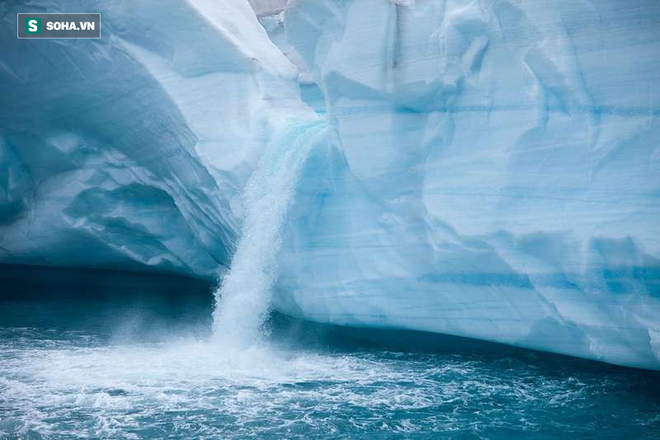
x=243, y=300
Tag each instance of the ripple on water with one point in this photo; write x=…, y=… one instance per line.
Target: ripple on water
x=72, y=385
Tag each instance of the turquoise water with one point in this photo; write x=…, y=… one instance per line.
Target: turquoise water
x=107, y=355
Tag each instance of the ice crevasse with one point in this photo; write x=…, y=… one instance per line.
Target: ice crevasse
x=491, y=169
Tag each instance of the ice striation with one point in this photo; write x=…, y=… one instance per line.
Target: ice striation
x=496, y=176
x=485, y=169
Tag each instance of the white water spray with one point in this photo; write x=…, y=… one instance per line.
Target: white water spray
x=243, y=300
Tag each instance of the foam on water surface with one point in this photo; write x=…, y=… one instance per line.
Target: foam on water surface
x=117, y=357
x=189, y=389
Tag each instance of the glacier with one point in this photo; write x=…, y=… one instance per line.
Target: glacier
x=496, y=176
x=481, y=169
x=131, y=152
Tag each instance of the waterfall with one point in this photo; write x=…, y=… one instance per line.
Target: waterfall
x=243, y=299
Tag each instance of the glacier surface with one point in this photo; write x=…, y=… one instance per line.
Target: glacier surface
x=496, y=173
x=473, y=168
x=131, y=151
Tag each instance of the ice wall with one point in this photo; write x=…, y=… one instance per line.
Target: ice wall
x=267, y=7
x=489, y=169
x=497, y=176
x=131, y=151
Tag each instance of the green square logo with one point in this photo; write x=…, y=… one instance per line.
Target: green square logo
x=33, y=25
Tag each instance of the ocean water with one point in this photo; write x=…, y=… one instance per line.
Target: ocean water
x=109, y=355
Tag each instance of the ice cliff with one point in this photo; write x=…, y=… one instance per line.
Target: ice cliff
x=489, y=169
x=131, y=151
x=497, y=173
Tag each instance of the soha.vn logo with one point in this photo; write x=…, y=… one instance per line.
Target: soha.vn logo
x=59, y=25
x=33, y=25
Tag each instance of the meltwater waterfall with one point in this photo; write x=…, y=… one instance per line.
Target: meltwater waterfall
x=243, y=299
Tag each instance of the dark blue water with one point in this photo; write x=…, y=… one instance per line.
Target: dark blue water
x=108, y=355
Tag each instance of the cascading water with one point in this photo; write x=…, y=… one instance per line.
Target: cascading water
x=243, y=299
x=148, y=384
